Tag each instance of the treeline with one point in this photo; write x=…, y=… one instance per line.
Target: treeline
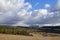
x=50, y=29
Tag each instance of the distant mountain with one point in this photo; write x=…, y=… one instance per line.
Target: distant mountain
x=53, y=27
x=34, y=26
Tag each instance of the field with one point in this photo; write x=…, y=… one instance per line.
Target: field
x=34, y=37
x=27, y=33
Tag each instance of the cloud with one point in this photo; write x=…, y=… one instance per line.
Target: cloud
x=57, y=6
x=9, y=5
x=47, y=6
x=9, y=11
x=17, y=12
x=43, y=11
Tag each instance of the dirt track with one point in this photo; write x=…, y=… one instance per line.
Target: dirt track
x=20, y=37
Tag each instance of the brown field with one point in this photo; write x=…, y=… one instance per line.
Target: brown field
x=34, y=37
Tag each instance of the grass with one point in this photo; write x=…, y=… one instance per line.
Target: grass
x=15, y=31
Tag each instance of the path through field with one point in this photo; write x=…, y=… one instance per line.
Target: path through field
x=20, y=37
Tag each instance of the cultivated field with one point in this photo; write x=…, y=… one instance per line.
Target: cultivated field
x=35, y=36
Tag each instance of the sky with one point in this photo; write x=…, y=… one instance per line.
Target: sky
x=39, y=4
x=29, y=12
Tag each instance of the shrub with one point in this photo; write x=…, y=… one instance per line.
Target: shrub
x=14, y=31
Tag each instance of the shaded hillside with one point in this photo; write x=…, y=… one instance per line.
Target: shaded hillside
x=50, y=29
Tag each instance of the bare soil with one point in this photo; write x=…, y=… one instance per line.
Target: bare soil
x=34, y=37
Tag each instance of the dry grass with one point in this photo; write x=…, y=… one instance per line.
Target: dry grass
x=34, y=37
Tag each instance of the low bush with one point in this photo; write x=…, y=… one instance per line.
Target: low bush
x=14, y=31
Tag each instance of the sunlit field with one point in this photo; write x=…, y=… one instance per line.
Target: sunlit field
x=26, y=33
x=35, y=36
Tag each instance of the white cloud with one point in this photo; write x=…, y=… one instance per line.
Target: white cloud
x=13, y=11
x=16, y=12
x=43, y=11
x=20, y=24
x=57, y=6
x=47, y=6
